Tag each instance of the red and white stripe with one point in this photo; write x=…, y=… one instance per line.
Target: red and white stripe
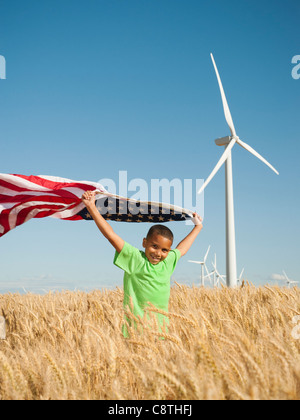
x=25, y=197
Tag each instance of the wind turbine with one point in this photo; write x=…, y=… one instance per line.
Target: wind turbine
x=229, y=142
x=216, y=274
x=288, y=281
x=203, y=266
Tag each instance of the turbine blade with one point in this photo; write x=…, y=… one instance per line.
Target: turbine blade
x=195, y=262
x=251, y=150
x=218, y=165
x=285, y=275
x=208, y=274
x=206, y=255
x=223, y=279
x=224, y=100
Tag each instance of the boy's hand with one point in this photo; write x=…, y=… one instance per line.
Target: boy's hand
x=88, y=198
x=187, y=242
x=197, y=220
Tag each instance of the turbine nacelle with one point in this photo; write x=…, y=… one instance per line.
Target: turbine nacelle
x=223, y=141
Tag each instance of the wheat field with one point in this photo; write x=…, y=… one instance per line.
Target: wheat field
x=222, y=344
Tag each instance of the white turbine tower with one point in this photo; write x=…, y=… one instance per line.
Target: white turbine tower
x=203, y=266
x=229, y=142
x=289, y=282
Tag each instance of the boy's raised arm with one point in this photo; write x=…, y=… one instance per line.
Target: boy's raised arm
x=188, y=241
x=88, y=199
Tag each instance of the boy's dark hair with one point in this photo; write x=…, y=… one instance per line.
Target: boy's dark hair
x=161, y=230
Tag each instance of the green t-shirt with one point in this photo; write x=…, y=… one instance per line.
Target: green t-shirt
x=145, y=282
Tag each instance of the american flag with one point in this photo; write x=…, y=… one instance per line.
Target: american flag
x=26, y=197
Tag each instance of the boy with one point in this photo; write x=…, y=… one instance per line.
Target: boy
x=147, y=274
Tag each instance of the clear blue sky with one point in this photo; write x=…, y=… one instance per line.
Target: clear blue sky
x=100, y=86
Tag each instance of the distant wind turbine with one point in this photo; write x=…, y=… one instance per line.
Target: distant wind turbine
x=289, y=282
x=203, y=266
x=217, y=275
x=229, y=142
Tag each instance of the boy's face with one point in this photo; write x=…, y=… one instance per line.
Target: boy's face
x=157, y=248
